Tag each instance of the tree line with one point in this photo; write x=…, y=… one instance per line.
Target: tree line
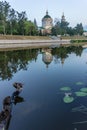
x=63, y=28
x=13, y=61
x=16, y=23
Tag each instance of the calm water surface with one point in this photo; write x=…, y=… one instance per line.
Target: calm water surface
x=52, y=96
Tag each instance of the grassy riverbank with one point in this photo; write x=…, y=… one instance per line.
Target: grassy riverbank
x=76, y=40
x=75, y=37
x=79, y=41
x=16, y=41
x=20, y=37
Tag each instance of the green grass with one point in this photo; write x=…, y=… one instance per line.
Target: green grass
x=78, y=41
x=20, y=37
x=75, y=37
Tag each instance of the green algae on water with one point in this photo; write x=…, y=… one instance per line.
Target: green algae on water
x=68, y=99
x=80, y=94
x=84, y=90
x=79, y=83
x=65, y=88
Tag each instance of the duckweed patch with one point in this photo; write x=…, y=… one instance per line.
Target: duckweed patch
x=70, y=94
x=80, y=94
x=79, y=83
x=84, y=90
x=68, y=99
x=66, y=88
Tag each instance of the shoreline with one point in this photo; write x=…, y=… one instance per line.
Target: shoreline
x=28, y=44
x=34, y=41
x=4, y=44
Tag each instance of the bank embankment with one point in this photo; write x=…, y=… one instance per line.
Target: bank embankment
x=27, y=43
x=31, y=43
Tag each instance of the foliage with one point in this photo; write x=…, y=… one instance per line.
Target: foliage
x=14, y=22
x=78, y=41
x=13, y=61
x=29, y=28
x=70, y=95
x=62, y=28
x=79, y=29
x=62, y=52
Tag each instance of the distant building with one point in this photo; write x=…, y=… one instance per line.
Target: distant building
x=63, y=18
x=47, y=23
x=85, y=34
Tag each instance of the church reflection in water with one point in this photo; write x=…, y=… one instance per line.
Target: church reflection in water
x=47, y=56
x=59, y=54
x=8, y=102
x=13, y=61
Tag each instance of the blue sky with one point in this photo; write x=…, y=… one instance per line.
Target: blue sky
x=75, y=10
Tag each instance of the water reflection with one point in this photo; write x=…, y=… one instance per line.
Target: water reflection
x=5, y=114
x=14, y=61
x=63, y=52
x=51, y=94
x=47, y=56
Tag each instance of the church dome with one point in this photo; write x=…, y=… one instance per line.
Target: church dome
x=47, y=22
x=46, y=16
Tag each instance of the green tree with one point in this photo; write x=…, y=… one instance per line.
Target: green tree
x=64, y=26
x=36, y=27
x=21, y=22
x=13, y=25
x=6, y=9
x=60, y=28
x=79, y=29
x=4, y=13
x=29, y=28
x=56, y=30
x=71, y=31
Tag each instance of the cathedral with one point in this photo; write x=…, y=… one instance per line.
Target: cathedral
x=47, y=23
